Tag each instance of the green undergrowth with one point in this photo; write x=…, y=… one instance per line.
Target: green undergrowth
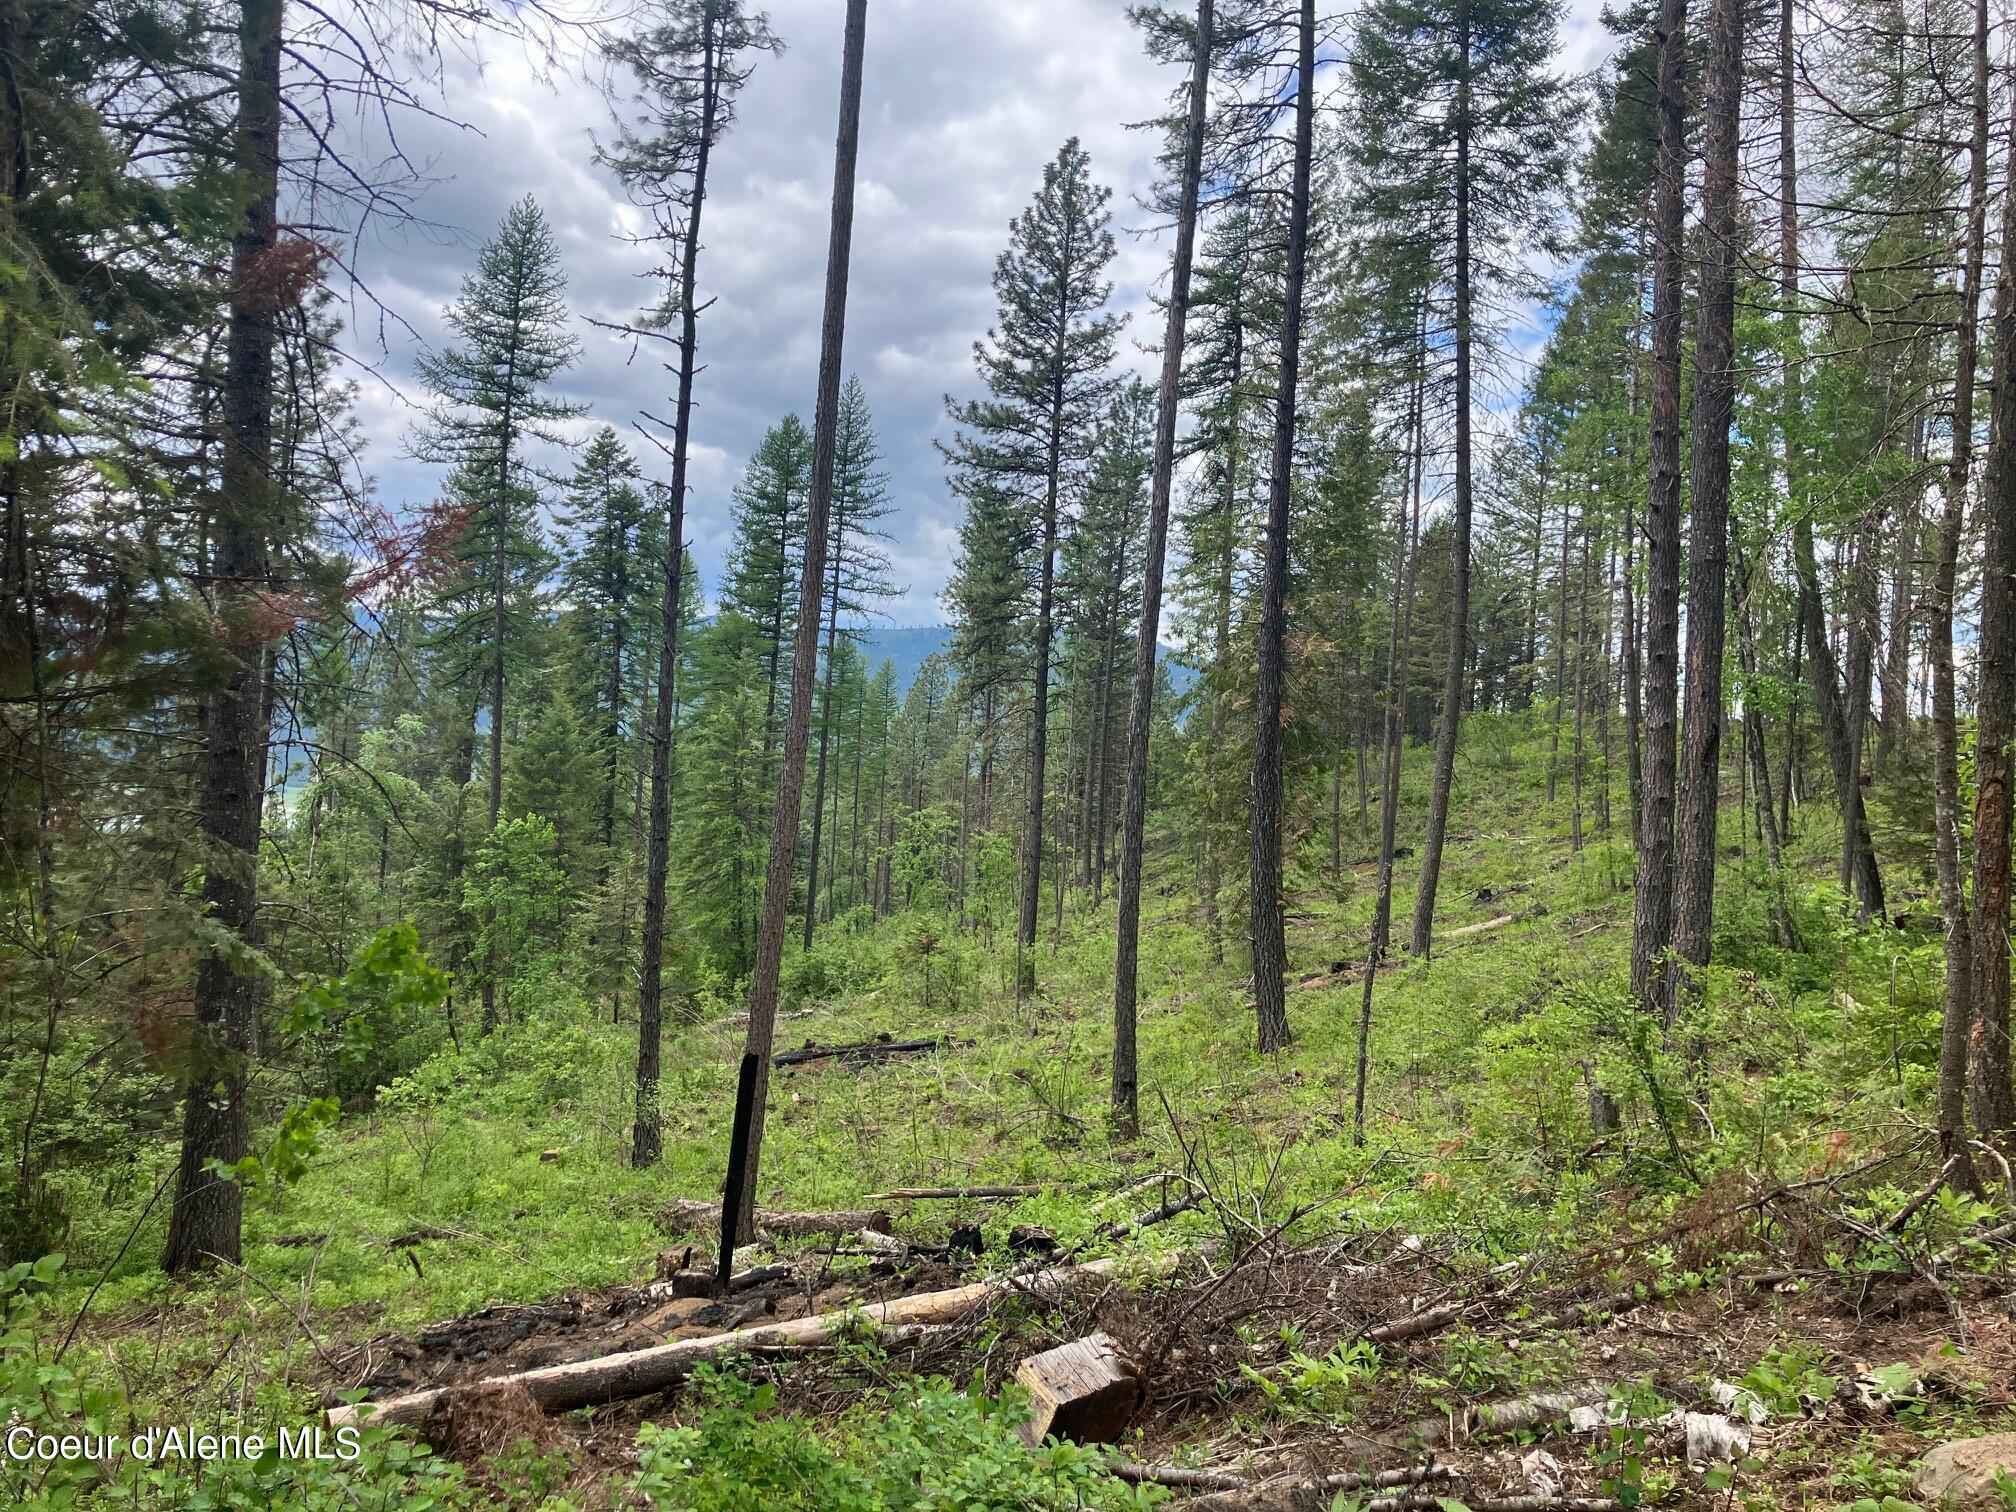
x=1489, y=1064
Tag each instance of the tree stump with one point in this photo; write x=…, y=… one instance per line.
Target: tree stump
x=1084, y=1391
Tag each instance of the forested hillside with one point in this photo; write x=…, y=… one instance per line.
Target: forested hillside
x=1431, y=930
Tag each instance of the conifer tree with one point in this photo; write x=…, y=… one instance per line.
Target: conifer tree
x=856, y=582
x=492, y=404
x=1045, y=365
x=689, y=66
x=609, y=579
x=764, y=562
x=1463, y=87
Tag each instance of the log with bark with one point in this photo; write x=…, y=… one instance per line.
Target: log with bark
x=1507, y=1415
x=867, y=1050
x=689, y=1215
x=639, y=1372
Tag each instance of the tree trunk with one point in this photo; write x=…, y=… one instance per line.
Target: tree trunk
x=777, y=881
x=1270, y=943
x=231, y=763
x=1993, y=1100
x=1459, y=610
x=646, y=1137
x=1126, y=1106
x=1399, y=649
x=1708, y=523
x=1958, y=1009
x=1652, y=924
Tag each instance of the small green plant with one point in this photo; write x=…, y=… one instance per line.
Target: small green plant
x=1868, y=1472
x=1319, y=1386
x=1788, y=1379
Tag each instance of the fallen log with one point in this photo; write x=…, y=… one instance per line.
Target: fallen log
x=1428, y=1320
x=1084, y=1391
x=1158, y=1214
x=1538, y=910
x=1312, y=1494
x=867, y=1050
x=1184, y=1478
x=1507, y=1415
x=638, y=1372
x=949, y=1194
x=690, y=1215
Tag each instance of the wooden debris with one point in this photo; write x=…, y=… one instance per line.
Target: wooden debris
x=639, y=1372
x=692, y=1281
x=880, y=1048
x=1428, y=1320
x=1154, y=1215
x=689, y=1215
x=1085, y=1391
x=1236, y=1493
x=1536, y=911
x=949, y=1194
x=1506, y=1415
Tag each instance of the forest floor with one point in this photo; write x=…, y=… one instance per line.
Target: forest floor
x=1736, y=1221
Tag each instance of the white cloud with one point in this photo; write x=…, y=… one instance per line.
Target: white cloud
x=965, y=100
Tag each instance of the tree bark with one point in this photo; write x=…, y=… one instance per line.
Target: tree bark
x=1269, y=931
x=1708, y=522
x=646, y=1141
x=1957, y=1014
x=1399, y=649
x=1992, y=1099
x=782, y=872
x=1459, y=610
x=204, y=1226
x=1652, y=924
x=1126, y=1104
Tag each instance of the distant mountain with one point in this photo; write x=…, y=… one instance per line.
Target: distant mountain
x=908, y=645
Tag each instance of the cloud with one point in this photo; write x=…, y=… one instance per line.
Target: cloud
x=964, y=102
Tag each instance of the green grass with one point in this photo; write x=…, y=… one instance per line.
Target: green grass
x=1482, y=1060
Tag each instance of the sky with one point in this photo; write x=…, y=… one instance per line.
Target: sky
x=964, y=101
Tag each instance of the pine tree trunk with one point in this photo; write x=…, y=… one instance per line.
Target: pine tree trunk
x=646, y=1142
x=1560, y=651
x=1958, y=1008
x=204, y=1225
x=1269, y=927
x=1993, y=1101
x=1399, y=650
x=1708, y=523
x=782, y=872
x=1454, y=679
x=1652, y=924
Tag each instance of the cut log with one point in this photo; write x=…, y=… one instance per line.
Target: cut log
x=1536, y=911
x=1507, y=1415
x=689, y=1215
x=1154, y=1215
x=1428, y=1320
x=868, y=1050
x=1237, y=1493
x=692, y=1281
x=639, y=1372
x=1085, y=1391
x=949, y=1194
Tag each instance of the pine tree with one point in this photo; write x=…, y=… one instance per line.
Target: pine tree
x=1465, y=89
x=1045, y=365
x=689, y=67
x=492, y=403
x=857, y=581
x=609, y=581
